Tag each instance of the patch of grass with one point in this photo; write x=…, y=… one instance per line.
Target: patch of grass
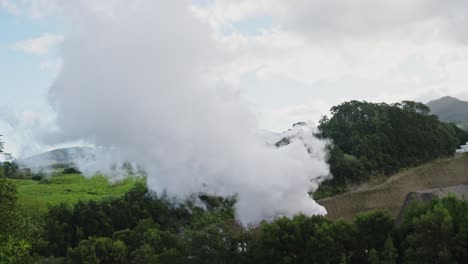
x=36, y=196
x=463, y=126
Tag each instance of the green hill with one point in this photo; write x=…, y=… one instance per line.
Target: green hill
x=36, y=196
x=450, y=109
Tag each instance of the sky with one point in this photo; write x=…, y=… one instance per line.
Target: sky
x=289, y=60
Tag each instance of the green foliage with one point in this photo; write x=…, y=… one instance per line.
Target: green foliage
x=435, y=232
x=221, y=242
x=141, y=227
x=9, y=169
x=35, y=196
x=432, y=226
x=389, y=253
x=18, y=234
x=71, y=170
x=148, y=227
x=381, y=139
x=372, y=229
x=14, y=249
x=373, y=257
x=99, y=250
x=8, y=197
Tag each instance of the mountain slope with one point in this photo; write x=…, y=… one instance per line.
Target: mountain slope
x=392, y=193
x=450, y=109
x=63, y=155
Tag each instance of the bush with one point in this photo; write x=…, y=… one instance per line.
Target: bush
x=71, y=170
x=45, y=181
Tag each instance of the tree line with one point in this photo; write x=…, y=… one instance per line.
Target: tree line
x=141, y=227
x=379, y=139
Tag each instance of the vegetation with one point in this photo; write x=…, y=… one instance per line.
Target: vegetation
x=380, y=139
x=35, y=196
x=440, y=175
x=18, y=235
x=141, y=227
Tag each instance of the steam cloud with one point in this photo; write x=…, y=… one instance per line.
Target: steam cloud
x=132, y=80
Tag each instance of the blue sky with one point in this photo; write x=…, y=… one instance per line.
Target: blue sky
x=25, y=79
x=24, y=84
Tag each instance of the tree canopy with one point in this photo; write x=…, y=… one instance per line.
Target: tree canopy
x=381, y=139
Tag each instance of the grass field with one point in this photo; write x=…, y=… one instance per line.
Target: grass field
x=35, y=196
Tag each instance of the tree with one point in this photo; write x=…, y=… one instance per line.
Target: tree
x=14, y=246
x=10, y=169
x=222, y=242
x=432, y=238
x=389, y=253
x=99, y=250
x=8, y=198
x=373, y=257
x=373, y=229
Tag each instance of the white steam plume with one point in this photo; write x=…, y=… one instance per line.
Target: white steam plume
x=131, y=80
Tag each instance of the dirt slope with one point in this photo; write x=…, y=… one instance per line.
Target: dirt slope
x=392, y=193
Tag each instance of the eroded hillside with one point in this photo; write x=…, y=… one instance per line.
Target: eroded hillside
x=392, y=193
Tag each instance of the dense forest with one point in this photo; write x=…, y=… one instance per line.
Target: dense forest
x=379, y=139
x=141, y=227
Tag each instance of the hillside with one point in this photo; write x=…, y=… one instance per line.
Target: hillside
x=63, y=156
x=36, y=196
x=450, y=109
x=371, y=140
x=392, y=193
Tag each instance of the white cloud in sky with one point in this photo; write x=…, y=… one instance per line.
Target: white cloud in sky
x=307, y=112
x=35, y=9
x=41, y=45
x=38, y=9
x=51, y=65
x=372, y=50
x=10, y=7
x=24, y=131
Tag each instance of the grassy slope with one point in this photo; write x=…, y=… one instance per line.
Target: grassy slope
x=463, y=126
x=392, y=193
x=70, y=188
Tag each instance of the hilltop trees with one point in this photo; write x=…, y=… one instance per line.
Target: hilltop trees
x=381, y=139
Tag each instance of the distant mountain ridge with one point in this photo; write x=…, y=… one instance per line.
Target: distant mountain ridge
x=450, y=109
x=62, y=155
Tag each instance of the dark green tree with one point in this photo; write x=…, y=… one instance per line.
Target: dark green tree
x=372, y=231
x=389, y=253
x=432, y=238
x=15, y=230
x=100, y=250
